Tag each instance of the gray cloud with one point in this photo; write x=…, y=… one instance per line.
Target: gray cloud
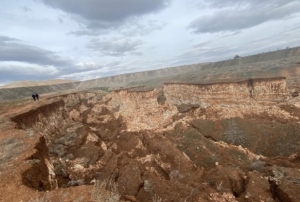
x=251, y=3
x=231, y=34
x=139, y=28
x=107, y=13
x=60, y=20
x=26, y=9
x=4, y=39
x=209, y=53
x=287, y=38
x=12, y=50
x=106, y=69
x=88, y=32
x=132, y=28
x=20, y=61
x=115, y=46
x=202, y=44
x=12, y=71
x=242, y=14
x=281, y=40
x=17, y=72
x=23, y=62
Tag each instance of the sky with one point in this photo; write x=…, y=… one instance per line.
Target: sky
x=82, y=40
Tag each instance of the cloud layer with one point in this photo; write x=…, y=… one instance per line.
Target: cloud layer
x=242, y=14
x=107, y=13
x=80, y=39
x=115, y=46
x=12, y=50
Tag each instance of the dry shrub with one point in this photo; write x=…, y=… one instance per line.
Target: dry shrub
x=234, y=135
x=225, y=197
x=41, y=199
x=105, y=191
x=158, y=199
x=10, y=148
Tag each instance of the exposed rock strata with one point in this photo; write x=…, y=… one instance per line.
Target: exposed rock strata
x=150, y=148
x=141, y=110
x=261, y=90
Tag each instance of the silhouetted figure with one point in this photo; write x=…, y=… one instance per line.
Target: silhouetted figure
x=33, y=96
x=37, y=96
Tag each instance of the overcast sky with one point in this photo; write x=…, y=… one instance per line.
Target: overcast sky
x=87, y=39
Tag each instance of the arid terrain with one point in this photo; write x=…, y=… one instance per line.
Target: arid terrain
x=19, y=84
x=227, y=132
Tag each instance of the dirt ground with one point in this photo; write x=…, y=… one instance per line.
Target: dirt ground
x=92, y=146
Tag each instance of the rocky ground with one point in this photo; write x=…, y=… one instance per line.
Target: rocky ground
x=218, y=142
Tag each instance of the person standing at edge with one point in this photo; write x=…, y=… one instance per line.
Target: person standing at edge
x=33, y=96
x=37, y=96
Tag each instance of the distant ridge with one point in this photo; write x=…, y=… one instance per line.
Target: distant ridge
x=280, y=63
x=19, y=84
x=271, y=64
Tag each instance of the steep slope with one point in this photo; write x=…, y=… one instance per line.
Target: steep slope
x=229, y=141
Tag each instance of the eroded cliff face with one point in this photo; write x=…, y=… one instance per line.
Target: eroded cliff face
x=180, y=142
x=260, y=90
x=272, y=90
x=141, y=110
x=224, y=109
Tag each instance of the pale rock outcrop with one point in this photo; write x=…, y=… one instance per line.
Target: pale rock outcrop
x=140, y=110
x=260, y=90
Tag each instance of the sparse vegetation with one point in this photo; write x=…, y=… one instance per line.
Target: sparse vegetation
x=9, y=148
x=105, y=190
x=6, y=105
x=30, y=133
x=105, y=89
x=158, y=199
x=40, y=199
x=225, y=197
x=234, y=135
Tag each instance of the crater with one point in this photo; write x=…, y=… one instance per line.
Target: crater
x=173, y=141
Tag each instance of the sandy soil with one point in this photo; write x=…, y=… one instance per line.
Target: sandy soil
x=55, y=149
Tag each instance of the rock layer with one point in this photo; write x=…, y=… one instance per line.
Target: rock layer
x=185, y=142
x=261, y=90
